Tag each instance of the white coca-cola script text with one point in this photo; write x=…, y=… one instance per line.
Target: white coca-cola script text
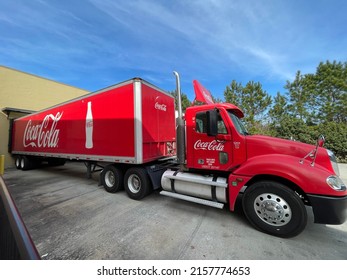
x=44, y=134
x=161, y=107
x=214, y=145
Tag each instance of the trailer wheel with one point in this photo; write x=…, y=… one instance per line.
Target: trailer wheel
x=17, y=162
x=137, y=183
x=112, y=178
x=275, y=209
x=25, y=163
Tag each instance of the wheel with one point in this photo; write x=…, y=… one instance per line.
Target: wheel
x=25, y=163
x=112, y=178
x=275, y=209
x=17, y=162
x=137, y=183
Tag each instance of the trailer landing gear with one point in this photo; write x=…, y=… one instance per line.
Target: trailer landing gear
x=92, y=168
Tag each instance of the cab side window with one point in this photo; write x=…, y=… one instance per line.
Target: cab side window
x=221, y=126
x=201, y=124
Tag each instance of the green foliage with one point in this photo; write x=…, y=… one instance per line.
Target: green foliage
x=253, y=100
x=319, y=101
x=185, y=101
x=279, y=110
x=330, y=84
x=336, y=138
x=295, y=129
x=300, y=100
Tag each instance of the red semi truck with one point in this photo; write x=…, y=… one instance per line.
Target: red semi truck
x=130, y=131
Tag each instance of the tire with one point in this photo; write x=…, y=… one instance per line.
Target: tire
x=17, y=162
x=25, y=163
x=274, y=209
x=136, y=183
x=112, y=178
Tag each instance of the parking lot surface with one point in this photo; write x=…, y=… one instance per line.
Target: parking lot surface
x=71, y=217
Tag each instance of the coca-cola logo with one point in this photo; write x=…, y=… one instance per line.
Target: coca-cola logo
x=207, y=96
x=161, y=107
x=43, y=135
x=214, y=145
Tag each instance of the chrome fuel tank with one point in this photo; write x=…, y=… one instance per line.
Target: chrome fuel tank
x=196, y=185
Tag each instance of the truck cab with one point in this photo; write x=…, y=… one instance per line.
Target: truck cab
x=276, y=177
x=215, y=137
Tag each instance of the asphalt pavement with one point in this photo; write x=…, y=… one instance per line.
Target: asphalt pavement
x=71, y=217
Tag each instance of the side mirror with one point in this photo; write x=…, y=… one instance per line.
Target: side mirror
x=320, y=141
x=212, y=118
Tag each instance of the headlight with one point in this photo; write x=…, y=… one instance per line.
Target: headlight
x=333, y=162
x=336, y=183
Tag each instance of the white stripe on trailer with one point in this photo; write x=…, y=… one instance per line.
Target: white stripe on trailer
x=78, y=156
x=138, y=122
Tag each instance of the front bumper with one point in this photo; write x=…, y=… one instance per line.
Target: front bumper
x=328, y=210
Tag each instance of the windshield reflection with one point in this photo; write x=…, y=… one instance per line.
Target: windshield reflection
x=238, y=123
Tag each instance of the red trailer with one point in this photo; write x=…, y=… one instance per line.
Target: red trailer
x=130, y=131
x=131, y=122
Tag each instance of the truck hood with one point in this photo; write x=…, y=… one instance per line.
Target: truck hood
x=258, y=145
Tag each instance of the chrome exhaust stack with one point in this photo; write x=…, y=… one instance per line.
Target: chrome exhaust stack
x=180, y=127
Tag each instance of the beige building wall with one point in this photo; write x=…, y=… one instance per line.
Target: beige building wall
x=27, y=92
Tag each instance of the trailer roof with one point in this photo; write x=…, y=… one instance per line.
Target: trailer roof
x=102, y=90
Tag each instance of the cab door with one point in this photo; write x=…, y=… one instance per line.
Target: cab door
x=211, y=152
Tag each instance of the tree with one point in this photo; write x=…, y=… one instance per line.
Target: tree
x=279, y=110
x=253, y=100
x=185, y=101
x=319, y=97
x=315, y=104
x=278, y=114
x=300, y=96
x=331, y=86
x=336, y=138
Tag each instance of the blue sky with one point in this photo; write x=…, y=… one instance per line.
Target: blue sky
x=92, y=44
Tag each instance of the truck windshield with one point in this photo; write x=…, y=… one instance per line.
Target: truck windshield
x=237, y=123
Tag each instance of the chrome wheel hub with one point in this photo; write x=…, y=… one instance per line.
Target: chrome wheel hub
x=110, y=179
x=134, y=183
x=272, y=209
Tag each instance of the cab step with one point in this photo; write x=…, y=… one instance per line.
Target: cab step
x=193, y=199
